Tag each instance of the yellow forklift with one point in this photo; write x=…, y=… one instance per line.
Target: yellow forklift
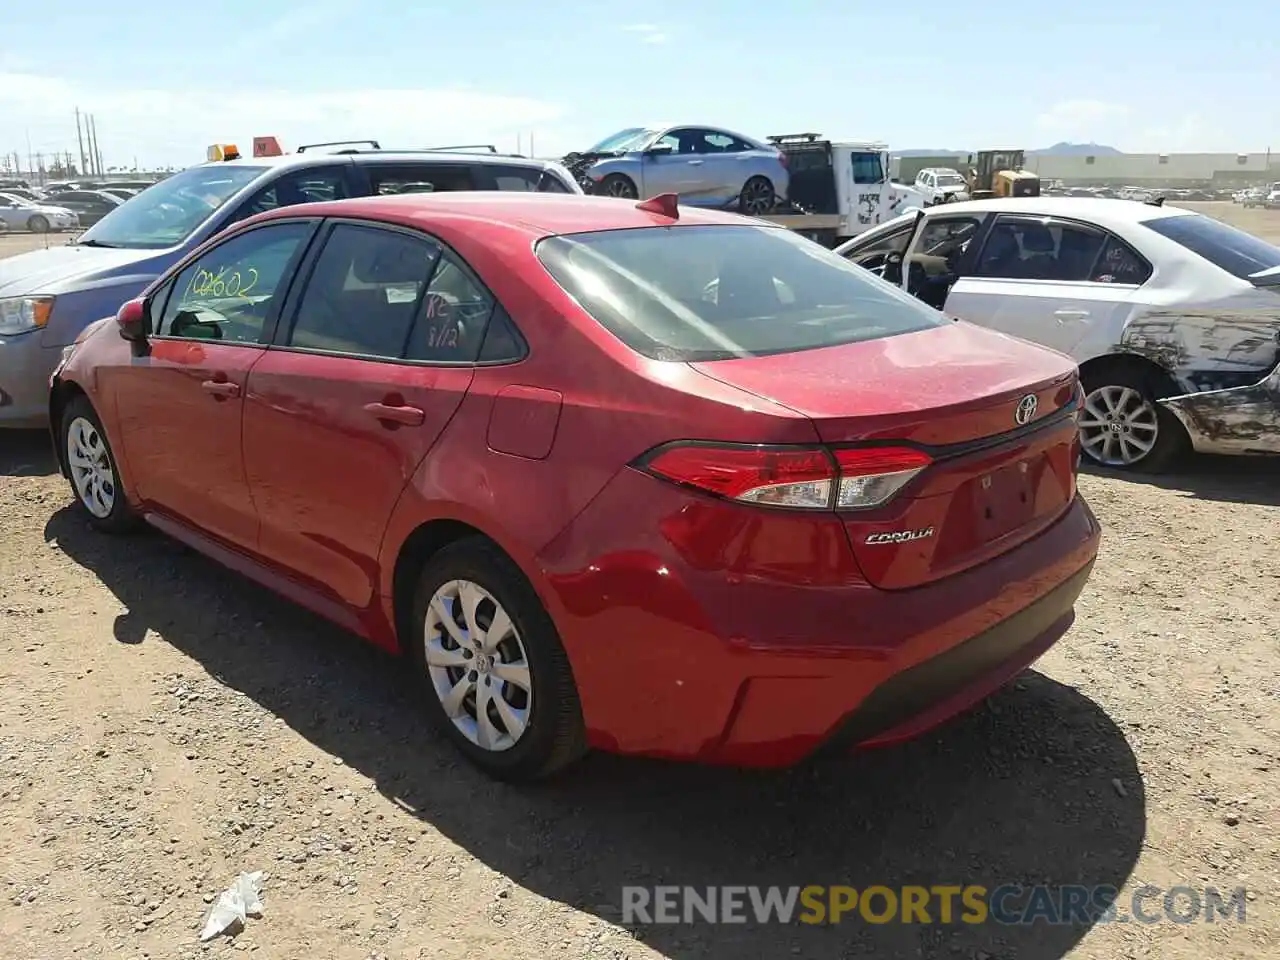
x=1001, y=173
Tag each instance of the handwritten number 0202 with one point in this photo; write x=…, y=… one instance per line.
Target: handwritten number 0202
x=225, y=283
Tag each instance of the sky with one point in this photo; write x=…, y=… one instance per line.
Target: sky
x=164, y=80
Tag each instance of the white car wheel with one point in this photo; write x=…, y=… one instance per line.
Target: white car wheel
x=92, y=474
x=478, y=665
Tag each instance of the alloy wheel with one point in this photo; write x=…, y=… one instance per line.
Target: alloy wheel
x=91, y=470
x=757, y=197
x=478, y=666
x=1119, y=426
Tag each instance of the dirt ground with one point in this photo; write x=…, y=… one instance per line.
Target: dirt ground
x=165, y=725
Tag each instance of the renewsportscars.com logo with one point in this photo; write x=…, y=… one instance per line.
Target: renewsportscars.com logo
x=1009, y=904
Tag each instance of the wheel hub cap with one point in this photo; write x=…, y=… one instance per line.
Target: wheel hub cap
x=1118, y=426
x=90, y=467
x=477, y=665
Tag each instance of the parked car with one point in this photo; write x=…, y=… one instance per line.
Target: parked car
x=121, y=192
x=706, y=166
x=23, y=193
x=941, y=185
x=1253, y=197
x=18, y=213
x=48, y=296
x=614, y=475
x=1170, y=314
x=89, y=206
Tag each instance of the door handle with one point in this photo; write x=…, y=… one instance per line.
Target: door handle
x=409, y=416
x=1071, y=314
x=223, y=389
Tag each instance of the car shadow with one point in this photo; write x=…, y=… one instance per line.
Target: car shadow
x=26, y=453
x=1022, y=790
x=1254, y=480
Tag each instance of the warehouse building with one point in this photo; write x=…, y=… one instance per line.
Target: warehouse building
x=1128, y=169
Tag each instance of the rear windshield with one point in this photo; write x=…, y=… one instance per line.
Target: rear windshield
x=168, y=212
x=1235, y=251
x=717, y=292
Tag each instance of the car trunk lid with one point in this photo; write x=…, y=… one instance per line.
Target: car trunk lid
x=995, y=415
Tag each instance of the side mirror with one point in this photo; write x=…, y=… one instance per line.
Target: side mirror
x=659, y=150
x=131, y=318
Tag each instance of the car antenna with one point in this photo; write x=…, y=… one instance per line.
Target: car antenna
x=664, y=205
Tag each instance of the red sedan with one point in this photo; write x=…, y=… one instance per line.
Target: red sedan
x=614, y=475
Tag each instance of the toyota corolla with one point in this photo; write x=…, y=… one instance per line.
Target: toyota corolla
x=609, y=474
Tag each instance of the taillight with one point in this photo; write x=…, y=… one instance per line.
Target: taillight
x=871, y=476
x=782, y=159
x=811, y=478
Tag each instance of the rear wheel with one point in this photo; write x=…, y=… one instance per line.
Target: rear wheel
x=619, y=185
x=496, y=677
x=757, y=197
x=1123, y=427
x=92, y=468
x=38, y=224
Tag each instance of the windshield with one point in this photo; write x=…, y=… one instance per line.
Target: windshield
x=716, y=292
x=633, y=138
x=170, y=211
x=950, y=180
x=1237, y=252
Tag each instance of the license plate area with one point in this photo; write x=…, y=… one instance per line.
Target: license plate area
x=1004, y=500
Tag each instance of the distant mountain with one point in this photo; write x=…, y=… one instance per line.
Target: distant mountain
x=1057, y=150
x=1077, y=150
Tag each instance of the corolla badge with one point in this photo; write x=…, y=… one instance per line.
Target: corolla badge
x=1026, y=409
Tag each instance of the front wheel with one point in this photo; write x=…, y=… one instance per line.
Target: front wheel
x=620, y=186
x=496, y=678
x=38, y=224
x=95, y=480
x=757, y=197
x=1124, y=428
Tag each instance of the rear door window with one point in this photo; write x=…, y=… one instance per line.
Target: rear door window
x=1226, y=247
x=715, y=292
x=1057, y=251
x=427, y=177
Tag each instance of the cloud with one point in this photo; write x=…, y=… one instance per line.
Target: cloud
x=174, y=126
x=647, y=33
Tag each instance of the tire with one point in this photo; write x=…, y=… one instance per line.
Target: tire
x=553, y=736
x=1111, y=383
x=619, y=185
x=37, y=223
x=757, y=197
x=81, y=435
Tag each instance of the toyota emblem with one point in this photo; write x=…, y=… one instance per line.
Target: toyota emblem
x=1026, y=410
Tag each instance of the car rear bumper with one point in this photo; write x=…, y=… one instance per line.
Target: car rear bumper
x=1238, y=420
x=25, y=366
x=720, y=659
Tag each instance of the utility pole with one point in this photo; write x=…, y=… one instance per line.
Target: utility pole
x=95, y=155
x=80, y=140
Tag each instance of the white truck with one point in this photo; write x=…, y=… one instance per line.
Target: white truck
x=839, y=188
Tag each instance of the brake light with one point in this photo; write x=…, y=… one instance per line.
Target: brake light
x=782, y=158
x=811, y=478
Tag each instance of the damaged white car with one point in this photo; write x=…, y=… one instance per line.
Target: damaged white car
x=1173, y=317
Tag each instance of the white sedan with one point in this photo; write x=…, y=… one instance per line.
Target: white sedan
x=1173, y=317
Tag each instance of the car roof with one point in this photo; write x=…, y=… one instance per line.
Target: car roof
x=1101, y=210
x=536, y=215
x=317, y=159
